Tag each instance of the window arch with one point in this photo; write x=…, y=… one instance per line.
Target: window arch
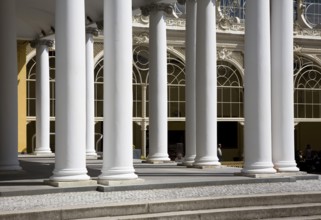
x=31, y=85
x=140, y=77
x=312, y=12
x=307, y=88
x=99, y=87
x=233, y=8
x=229, y=91
x=176, y=86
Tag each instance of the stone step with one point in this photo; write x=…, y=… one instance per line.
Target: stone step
x=239, y=213
x=314, y=217
x=281, y=205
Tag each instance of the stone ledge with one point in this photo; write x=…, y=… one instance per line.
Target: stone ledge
x=71, y=183
x=120, y=182
x=159, y=161
x=206, y=166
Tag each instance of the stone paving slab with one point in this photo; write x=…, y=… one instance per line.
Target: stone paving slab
x=36, y=170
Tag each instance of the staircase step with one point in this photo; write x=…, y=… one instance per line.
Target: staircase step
x=299, y=211
x=194, y=207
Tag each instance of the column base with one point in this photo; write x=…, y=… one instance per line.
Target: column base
x=120, y=182
x=92, y=156
x=69, y=175
x=127, y=173
x=189, y=161
x=43, y=153
x=91, y=153
x=206, y=161
x=158, y=158
x=286, y=166
x=71, y=183
x=258, y=168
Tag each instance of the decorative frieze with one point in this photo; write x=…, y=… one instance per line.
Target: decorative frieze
x=300, y=31
x=297, y=48
x=141, y=38
x=224, y=54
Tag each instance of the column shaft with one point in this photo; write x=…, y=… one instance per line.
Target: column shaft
x=90, y=96
x=157, y=87
x=118, y=94
x=8, y=88
x=42, y=100
x=144, y=123
x=257, y=95
x=190, y=76
x=282, y=86
x=70, y=92
x=206, y=85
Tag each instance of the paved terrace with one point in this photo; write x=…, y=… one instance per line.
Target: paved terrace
x=26, y=190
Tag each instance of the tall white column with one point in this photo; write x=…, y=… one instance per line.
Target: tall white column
x=282, y=86
x=70, y=92
x=42, y=97
x=157, y=83
x=206, y=85
x=144, y=123
x=118, y=94
x=8, y=88
x=90, y=92
x=190, y=76
x=257, y=94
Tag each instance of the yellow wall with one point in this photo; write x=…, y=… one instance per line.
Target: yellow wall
x=22, y=90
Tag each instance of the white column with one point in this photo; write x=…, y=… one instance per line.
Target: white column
x=144, y=123
x=118, y=94
x=257, y=94
x=282, y=86
x=42, y=97
x=70, y=92
x=206, y=85
x=158, y=127
x=190, y=76
x=8, y=88
x=90, y=92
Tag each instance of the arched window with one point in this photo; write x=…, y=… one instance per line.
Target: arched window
x=312, y=12
x=99, y=88
x=307, y=88
x=176, y=86
x=31, y=85
x=140, y=74
x=229, y=91
x=233, y=8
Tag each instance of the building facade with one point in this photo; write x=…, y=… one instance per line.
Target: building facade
x=201, y=73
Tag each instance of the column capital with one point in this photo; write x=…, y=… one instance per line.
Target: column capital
x=92, y=30
x=167, y=8
x=48, y=43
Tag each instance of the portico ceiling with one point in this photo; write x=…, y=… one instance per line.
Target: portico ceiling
x=37, y=17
